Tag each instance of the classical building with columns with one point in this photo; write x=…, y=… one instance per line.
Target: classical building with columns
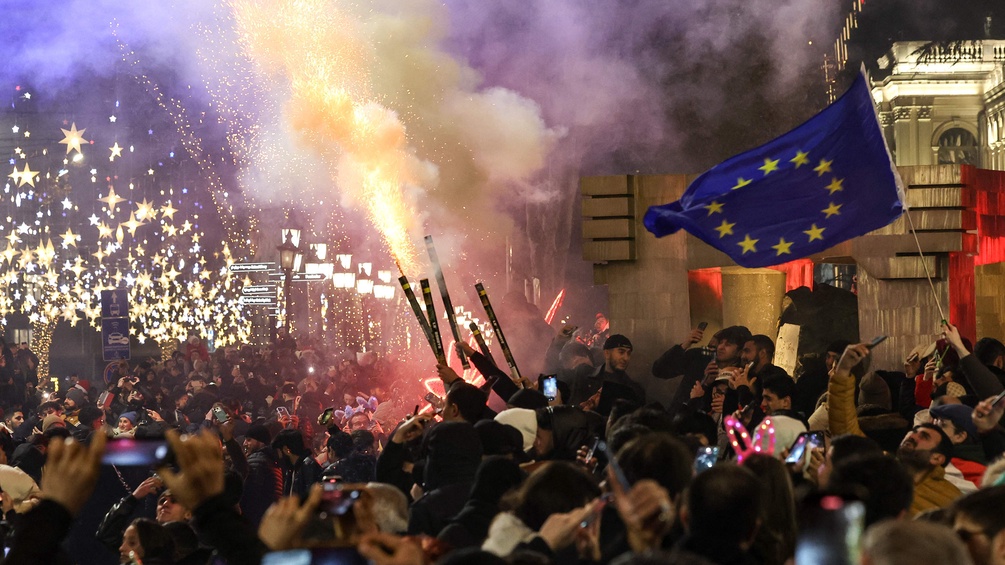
x=943, y=104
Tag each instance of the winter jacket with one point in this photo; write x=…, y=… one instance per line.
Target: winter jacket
x=932, y=490
x=262, y=486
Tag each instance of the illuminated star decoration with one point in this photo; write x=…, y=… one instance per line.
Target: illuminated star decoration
x=144, y=210
x=26, y=176
x=73, y=138
x=168, y=211
x=69, y=238
x=116, y=151
x=112, y=199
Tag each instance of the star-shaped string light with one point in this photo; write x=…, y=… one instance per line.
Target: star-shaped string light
x=73, y=138
x=145, y=210
x=132, y=224
x=168, y=211
x=112, y=199
x=27, y=176
x=69, y=238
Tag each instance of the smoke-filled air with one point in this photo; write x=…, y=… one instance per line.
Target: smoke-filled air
x=471, y=120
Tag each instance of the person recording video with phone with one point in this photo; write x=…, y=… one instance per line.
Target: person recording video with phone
x=705, y=369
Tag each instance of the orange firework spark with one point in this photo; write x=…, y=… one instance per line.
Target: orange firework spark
x=554, y=307
x=314, y=47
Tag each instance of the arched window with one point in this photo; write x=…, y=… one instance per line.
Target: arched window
x=957, y=146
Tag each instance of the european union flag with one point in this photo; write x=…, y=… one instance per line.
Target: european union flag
x=828, y=180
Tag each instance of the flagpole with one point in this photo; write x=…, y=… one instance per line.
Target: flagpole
x=921, y=254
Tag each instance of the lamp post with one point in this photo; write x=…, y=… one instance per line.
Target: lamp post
x=288, y=255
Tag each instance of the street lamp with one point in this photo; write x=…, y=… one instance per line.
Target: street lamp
x=289, y=254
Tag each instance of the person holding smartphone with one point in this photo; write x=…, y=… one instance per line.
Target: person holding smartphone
x=924, y=451
x=617, y=355
x=704, y=368
x=980, y=377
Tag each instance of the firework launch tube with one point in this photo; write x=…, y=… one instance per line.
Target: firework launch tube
x=480, y=340
x=434, y=326
x=484, y=297
x=423, y=323
x=445, y=296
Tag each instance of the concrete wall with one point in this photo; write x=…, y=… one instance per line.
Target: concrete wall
x=646, y=277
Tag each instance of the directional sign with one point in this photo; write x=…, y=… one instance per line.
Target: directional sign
x=259, y=300
x=114, y=303
x=251, y=267
x=114, y=338
x=299, y=277
x=308, y=277
x=258, y=289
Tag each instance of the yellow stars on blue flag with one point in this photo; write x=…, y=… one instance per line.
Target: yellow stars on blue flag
x=832, y=210
x=826, y=181
x=725, y=228
x=815, y=233
x=748, y=245
x=835, y=185
x=783, y=247
x=769, y=166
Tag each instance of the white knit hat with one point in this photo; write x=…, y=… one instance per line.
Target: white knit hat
x=522, y=419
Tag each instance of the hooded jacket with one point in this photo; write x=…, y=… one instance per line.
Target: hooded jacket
x=571, y=429
x=469, y=528
x=453, y=453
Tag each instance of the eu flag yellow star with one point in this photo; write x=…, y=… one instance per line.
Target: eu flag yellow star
x=748, y=244
x=783, y=247
x=724, y=229
x=815, y=233
x=741, y=182
x=832, y=210
x=823, y=167
x=714, y=207
x=835, y=185
x=768, y=166
x=800, y=159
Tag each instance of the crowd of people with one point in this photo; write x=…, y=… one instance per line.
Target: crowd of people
x=287, y=453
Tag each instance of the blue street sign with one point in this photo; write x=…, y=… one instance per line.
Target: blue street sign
x=114, y=338
x=115, y=303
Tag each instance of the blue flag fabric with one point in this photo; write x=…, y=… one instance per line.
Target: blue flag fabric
x=828, y=180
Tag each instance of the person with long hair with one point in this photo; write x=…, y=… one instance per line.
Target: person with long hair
x=146, y=541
